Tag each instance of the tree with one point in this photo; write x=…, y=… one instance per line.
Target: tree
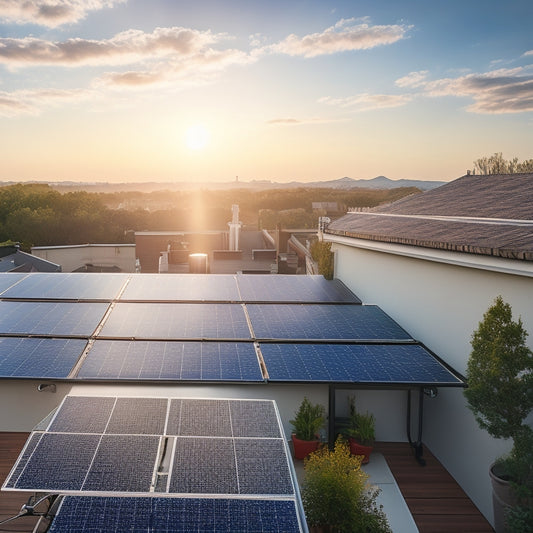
x=496, y=164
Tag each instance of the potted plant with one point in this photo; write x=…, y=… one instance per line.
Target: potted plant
x=500, y=394
x=336, y=495
x=361, y=431
x=307, y=422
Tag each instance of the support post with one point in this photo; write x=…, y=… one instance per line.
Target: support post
x=417, y=446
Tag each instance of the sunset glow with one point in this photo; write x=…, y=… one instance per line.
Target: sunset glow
x=129, y=90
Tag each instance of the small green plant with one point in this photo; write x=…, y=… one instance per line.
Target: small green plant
x=336, y=495
x=361, y=426
x=323, y=256
x=308, y=420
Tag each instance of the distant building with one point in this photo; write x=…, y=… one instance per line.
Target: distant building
x=436, y=262
x=90, y=257
x=14, y=260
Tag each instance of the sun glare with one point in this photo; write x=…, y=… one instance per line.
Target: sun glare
x=197, y=137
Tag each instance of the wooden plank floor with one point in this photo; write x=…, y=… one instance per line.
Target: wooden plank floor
x=438, y=504
x=436, y=501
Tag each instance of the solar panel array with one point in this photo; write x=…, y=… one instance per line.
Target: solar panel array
x=209, y=457
x=203, y=328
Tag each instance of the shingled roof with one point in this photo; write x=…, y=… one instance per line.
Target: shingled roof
x=487, y=215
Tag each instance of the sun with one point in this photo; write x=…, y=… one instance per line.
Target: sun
x=197, y=137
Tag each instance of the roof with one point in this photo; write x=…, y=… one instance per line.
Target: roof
x=488, y=215
x=13, y=260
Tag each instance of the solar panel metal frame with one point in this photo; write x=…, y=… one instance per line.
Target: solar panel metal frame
x=357, y=364
x=8, y=279
x=100, y=449
x=265, y=288
x=39, y=358
x=181, y=288
x=175, y=515
x=160, y=361
x=71, y=286
x=323, y=323
x=177, y=321
x=51, y=319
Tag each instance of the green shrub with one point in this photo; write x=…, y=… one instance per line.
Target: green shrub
x=336, y=495
x=308, y=420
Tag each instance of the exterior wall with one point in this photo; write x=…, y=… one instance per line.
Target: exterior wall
x=441, y=305
x=73, y=257
x=22, y=405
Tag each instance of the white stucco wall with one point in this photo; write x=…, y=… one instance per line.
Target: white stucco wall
x=73, y=257
x=441, y=305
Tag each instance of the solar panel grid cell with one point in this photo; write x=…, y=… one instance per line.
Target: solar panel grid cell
x=356, y=363
x=174, y=515
x=22, y=357
x=123, y=463
x=50, y=318
x=138, y=416
x=323, y=322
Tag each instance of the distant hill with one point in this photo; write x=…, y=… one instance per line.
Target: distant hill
x=380, y=182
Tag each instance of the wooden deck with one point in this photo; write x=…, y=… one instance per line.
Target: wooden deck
x=435, y=500
x=438, y=504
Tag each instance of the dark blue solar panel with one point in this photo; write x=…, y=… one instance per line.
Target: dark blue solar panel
x=262, y=467
x=177, y=321
x=175, y=515
x=123, y=463
x=254, y=418
x=159, y=360
x=289, y=288
x=199, y=417
x=8, y=279
x=315, y=321
x=59, y=462
x=143, y=416
x=71, y=286
x=204, y=466
x=181, y=288
x=356, y=363
x=48, y=318
x=83, y=414
x=38, y=358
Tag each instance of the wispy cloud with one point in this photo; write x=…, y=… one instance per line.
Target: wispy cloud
x=33, y=101
x=367, y=102
x=126, y=47
x=495, y=92
x=340, y=38
x=50, y=13
x=301, y=121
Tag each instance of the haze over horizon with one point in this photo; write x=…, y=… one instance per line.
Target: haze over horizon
x=136, y=91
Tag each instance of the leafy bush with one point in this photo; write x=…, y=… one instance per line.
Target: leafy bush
x=308, y=420
x=336, y=495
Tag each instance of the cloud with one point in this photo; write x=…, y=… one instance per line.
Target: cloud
x=50, y=13
x=127, y=47
x=495, y=92
x=340, y=38
x=299, y=121
x=33, y=101
x=367, y=102
x=413, y=79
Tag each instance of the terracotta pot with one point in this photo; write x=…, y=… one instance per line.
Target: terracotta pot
x=302, y=448
x=359, y=449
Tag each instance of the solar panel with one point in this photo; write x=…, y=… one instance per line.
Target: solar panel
x=68, y=286
x=315, y=321
x=177, y=321
x=49, y=318
x=174, y=515
x=141, y=445
x=27, y=357
x=182, y=361
x=8, y=279
x=182, y=288
x=356, y=363
x=290, y=288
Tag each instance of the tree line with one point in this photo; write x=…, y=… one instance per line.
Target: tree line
x=39, y=215
x=496, y=164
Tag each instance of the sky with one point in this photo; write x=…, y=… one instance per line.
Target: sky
x=284, y=90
